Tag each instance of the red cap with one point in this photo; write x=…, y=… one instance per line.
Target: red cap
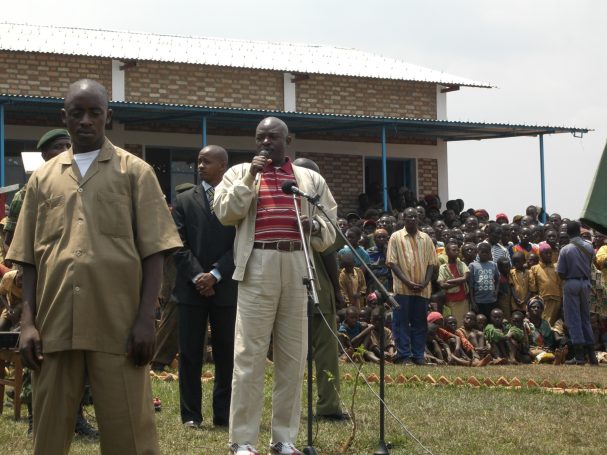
x=502, y=215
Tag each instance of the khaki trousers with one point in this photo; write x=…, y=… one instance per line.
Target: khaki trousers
x=123, y=403
x=271, y=301
x=552, y=309
x=459, y=310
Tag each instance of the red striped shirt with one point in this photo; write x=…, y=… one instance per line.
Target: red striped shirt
x=276, y=217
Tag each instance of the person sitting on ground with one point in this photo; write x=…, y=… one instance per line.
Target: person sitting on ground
x=496, y=335
x=518, y=336
x=353, y=235
x=445, y=345
x=432, y=347
x=543, y=343
x=483, y=281
x=545, y=282
x=504, y=292
x=519, y=282
x=352, y=333
x=352, y=285
x=372, y=340
x=473, y=339
x=466, y=351
x=453, y=278
x=481, y=322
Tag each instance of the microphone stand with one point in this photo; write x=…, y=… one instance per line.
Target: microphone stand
x=384, y=299
x=313, y=302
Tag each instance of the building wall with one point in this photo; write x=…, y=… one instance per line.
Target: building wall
x=427, y=176
x=344, y=176
x=180, y=83
x=24, y=73
x=366, y=96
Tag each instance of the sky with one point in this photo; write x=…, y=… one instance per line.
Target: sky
x=547, y=58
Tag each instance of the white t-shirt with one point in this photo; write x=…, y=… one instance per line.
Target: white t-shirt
x=84, y=160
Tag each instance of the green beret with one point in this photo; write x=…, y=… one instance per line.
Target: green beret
x=51, y=136
x=183, y=187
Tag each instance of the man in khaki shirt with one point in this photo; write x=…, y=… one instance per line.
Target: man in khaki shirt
x=91, y=237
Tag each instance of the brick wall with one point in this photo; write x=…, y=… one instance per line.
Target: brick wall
x=160, y=82
x=23, y=73
x=366, y=96
x=427, y=176
x=344, y=175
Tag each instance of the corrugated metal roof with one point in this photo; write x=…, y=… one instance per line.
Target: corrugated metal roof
x=296, y=58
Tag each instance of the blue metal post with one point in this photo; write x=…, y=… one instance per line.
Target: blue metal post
x=1, y=144
x=384, y=171
x=543, y=178
x=204, y=130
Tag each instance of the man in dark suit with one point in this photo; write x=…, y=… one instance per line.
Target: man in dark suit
x=205, y=291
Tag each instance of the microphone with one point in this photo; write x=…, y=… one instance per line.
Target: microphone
x=266, y=155
x=290, y=187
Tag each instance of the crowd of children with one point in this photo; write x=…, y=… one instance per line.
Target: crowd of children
x=497, y=296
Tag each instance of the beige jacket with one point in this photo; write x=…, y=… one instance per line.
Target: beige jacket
x=235, y=204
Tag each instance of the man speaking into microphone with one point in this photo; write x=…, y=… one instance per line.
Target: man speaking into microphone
x=270, y=267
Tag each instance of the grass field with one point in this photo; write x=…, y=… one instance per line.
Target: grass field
x=447, y=419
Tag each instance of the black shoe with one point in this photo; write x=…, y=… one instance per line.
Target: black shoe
x=84, y=428
x=339, y=417
x=580, y=355
x=417, y=361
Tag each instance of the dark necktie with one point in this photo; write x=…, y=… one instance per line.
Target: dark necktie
x=210, y=195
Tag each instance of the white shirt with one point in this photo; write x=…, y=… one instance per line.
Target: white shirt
x=84, y=160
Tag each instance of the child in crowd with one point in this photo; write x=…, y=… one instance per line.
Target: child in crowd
x=351, y=333
x=518, y=336
x=443, y=344
x=377, y=254
x=545, y=281
x=353, y=235
x=519, y=282
x=474, y=343
x=481, y=322
x=544, y=346
x=483, y=281
x=352, y=285
x=467, y=350
x=532, y=259
x=504, y=292
x=453, y=277
x=372, y=341
x=496, y=335
x=469, y=252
